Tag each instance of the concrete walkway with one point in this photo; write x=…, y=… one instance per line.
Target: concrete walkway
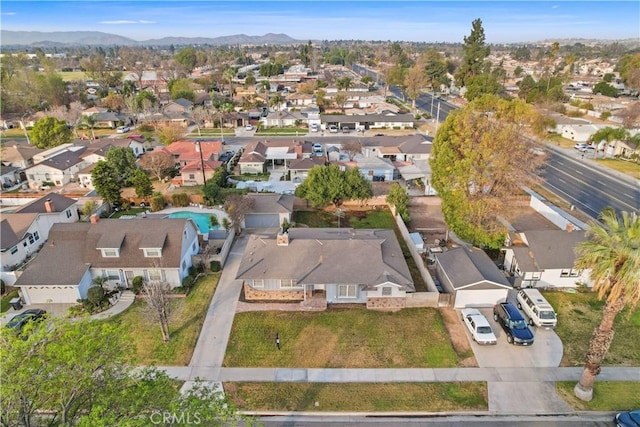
x=124, y=302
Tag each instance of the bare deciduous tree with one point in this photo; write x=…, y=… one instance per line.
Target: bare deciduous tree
x=351, y=148
x=157, y=293
x=156, y=163
x=237, y=206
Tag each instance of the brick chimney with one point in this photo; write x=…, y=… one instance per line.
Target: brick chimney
x=94, y=218
x=282, y=239
x=48, y=206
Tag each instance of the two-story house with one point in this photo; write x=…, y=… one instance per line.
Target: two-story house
x=114, y=249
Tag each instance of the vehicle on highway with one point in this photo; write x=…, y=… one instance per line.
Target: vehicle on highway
x=19, y=321
x=479, y=327
x=628, y=419
x=537, y=309
x=513, y=324
x=122, y=129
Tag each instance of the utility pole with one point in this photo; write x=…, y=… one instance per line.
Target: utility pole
x=199, y=148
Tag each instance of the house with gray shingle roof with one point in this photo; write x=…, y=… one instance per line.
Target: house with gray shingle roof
x=59, y=169
x=545, y=259
x=269, y=210
x=340, y=265
x=114, y=249
x=471, y=277
x=27, y=228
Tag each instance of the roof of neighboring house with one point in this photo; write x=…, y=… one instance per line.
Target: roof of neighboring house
x=373, y=162
x=271, y=203
x=188, y=150
x=13, y=226
x=87, y=169
x=74, y=245
x=196, y=165
x=306, y=163
x=254, y=152
x=184, y=102
x=396, y=118
x=408, y=144
x=59, y=203
x=4, y=170
x=552, y=249
x=469, y=266
x=64, y=160
x=328, y=255
x=13, y=153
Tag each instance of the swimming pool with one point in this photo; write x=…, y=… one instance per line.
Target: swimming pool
x=202, y=220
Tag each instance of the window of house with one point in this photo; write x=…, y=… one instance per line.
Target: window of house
x=192, y=176
x=47, y=177
x=287, y=283
x=347, y=291
x=112, y=274
x=31, y=177
x=152, y=253
x=194, y=246
x=36, y=236
x=386, y=291
x=258, y=283
x=565, y=273
x=184, y=264
x=110, y=253
x=68, y=212
x=154, y=274
x=13, y=250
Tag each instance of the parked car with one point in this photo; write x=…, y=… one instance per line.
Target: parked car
x=314, y=127
x=333, y=129
x=513, y=324
x=122, y=129
x=537, y=309
x=19, y=321
x=582, y=147
x=249, y=127
x=479, y=327
x=345, y=129
x=628, y=419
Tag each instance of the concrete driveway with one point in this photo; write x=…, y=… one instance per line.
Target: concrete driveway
x=520, y=397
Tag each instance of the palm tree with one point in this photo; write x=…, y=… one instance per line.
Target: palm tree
x=613, y=255
x=91, y=122
x=276, y=101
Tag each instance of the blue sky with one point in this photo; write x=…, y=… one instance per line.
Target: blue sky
x=430, y=21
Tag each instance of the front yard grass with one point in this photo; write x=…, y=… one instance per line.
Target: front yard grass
x=607, y=396
x=578, y=315
x=187, y=318
x=282, y=131
x=349, y=337
x=369, y=397
x=4, y=302
x=630, y=168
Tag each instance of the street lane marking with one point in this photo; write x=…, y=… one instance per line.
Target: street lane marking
x=577, y=171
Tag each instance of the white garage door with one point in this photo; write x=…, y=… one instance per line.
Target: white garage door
x=480, y=297
x=50, y=294
x=262, y=221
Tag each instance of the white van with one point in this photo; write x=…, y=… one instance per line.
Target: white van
x=537, y=309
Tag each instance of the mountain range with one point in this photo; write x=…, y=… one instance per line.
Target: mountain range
x=97, y=38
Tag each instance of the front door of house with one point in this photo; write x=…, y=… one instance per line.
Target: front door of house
x=128, y=274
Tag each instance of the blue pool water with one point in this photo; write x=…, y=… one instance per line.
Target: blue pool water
x=202, y=220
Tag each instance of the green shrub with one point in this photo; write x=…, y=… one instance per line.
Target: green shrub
x=215, y=266
x=145, y=128
x=605, y=115
x=136, y=284
x=2, y=287
x=180, y=200
x=95, y=295
x=157, y=203
x=187, y=284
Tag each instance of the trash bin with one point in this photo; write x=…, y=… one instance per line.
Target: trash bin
x=16, y=303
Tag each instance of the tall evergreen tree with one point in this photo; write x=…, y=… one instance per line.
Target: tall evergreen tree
x=475, y=51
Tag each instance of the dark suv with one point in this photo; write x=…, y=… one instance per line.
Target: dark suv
x=514, y=325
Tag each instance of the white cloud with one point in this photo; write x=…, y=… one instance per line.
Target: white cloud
x=125, y=22
x=555, y=6
x=8, y=13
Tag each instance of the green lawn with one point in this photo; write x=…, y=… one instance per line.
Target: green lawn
x=282, y=131
x=629, y=168
x=578, y=315
x=350, y=337
x=132, y=211
x=362, y=219
x=607, y=396
x=70, y=76
x=434, y=397
x=186, y=321
x=4, y=302
x=251, y=177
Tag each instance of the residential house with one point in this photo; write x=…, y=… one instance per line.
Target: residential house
x=85, y=179
x=185, y=152
x=369, y=121
x=149, y=80
x=197, y=172
x=300, y=99
x=268, y=210
x=114, y=249
x=374, y=168
x=19, y=155
x=277, y=153
x=180, y=105
x=471, y=277
x=9, y=176
x=59, y=169
x=253, y=158
x=299, y=168
x=545, y=259
x=337, y=265
x=283, y=118
x=27, y=228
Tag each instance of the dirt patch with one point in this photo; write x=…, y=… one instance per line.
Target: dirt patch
x=458, y=337
x=427, y=218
